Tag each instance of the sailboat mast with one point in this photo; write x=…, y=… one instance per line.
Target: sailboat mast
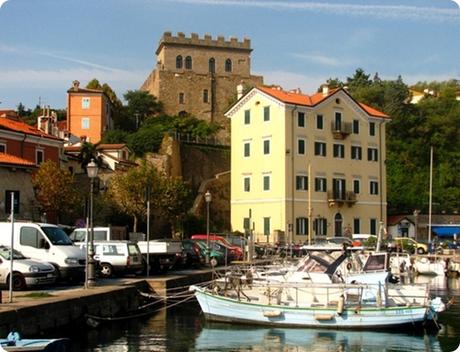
x=431, y=195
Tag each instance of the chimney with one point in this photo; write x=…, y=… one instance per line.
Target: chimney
x=325, y=90
x=75, y=85
x=239, y=91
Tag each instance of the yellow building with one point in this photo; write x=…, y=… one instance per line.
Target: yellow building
x=305, y=165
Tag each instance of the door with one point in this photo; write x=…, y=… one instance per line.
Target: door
x=338, y=188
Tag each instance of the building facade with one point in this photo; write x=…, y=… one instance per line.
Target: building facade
x=22, y=149
x=89, y=113
x=199, y=76
x=305, y=166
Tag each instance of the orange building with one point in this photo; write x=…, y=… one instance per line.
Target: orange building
x=89, y=113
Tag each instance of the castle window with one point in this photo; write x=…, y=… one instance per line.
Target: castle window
x=188, y=62
x=181, y=98
x=212, y=65
x=228, y=65
x=205, y=96
x=178, y=61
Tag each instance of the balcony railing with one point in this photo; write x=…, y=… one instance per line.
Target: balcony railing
x=340, y=130
x=341, y=197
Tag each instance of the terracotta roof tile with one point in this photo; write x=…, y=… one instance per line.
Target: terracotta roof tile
x=19, y=126
x=315, y=99
x=14, y=160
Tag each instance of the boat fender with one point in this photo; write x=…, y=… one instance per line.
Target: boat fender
x=340, y=305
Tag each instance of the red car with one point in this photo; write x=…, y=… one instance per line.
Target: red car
x=236, y=251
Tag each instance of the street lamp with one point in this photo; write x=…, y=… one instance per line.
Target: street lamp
x=208, y=199
x=92, y=170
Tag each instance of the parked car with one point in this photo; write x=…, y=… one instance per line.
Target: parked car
x=237, y=251
x=117, y=257
x=192, y=255
x=407, y=244
x=26, y=272
x=218, y=253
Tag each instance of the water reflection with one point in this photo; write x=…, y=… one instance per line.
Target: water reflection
x=220, y=337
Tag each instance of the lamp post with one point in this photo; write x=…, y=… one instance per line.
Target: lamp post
x=92, y=170
x=208, y=199
x=416, y=212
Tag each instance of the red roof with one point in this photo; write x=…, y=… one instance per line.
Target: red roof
x=19, y=126
x=297, y=98
x=14, y=160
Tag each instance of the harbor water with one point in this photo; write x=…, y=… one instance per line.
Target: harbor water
x=183, y=328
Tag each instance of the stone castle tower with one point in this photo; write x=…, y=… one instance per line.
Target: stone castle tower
x=199, y=76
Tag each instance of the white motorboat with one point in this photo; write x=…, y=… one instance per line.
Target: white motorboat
x=329, y=305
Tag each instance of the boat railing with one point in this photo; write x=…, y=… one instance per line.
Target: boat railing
x=328, y=294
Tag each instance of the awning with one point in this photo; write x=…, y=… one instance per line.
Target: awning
x=446, y=231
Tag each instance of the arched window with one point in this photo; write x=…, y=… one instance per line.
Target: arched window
x=212, y=65
x=188, y=62
x=178, y=61
x=228, y=65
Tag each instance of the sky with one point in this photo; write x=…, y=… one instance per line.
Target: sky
x=46, y=44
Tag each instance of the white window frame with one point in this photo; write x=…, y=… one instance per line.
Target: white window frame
x=322, y=182
x=356, y=157
x=374, y=187
x=373, y=154
x=304, y=119
x=358, y=182
x=303, y=182
x=85, y=123
x=301, y=226
x=85, y=103
x=304, y=145
x=340, y=149
x=322, y=148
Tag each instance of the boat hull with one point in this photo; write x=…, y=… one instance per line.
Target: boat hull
x=218, y=308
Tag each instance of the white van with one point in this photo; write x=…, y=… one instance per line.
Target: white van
x=46, y=242
x=106, y=233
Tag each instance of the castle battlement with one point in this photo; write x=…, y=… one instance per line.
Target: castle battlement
x=206, y=41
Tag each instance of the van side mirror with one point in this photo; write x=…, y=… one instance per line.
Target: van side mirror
x=44, y=244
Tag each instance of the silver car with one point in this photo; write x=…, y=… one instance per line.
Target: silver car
x=26, y=272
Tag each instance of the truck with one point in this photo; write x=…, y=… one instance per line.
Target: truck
x=46, y=242
x=162, y=253
x=105, y=233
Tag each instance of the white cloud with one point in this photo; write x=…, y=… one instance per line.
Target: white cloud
x=380, y=11
x=64, y=77
x=322, y=59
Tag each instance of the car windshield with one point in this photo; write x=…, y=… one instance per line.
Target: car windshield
x=5, y=254
x=57, y=236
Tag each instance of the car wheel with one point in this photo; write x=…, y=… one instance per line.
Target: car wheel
x=106, y=270
x=19, y=283
x=213, y=262
x=420, y=250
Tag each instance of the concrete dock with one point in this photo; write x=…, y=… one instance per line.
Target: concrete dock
x=31, y=313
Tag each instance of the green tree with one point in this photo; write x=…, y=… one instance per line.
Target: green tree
x=55, y=189
x=128, y=189
x=141, y=106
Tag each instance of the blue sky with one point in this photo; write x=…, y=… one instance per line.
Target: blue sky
x=46, y=44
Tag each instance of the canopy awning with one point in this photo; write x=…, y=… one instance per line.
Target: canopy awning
x=446, y=230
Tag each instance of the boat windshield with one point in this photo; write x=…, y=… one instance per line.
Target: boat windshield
x=57, y=236
x=6, y=254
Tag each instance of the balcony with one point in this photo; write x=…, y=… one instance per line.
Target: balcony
x=340, y=130
x=340, y=198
